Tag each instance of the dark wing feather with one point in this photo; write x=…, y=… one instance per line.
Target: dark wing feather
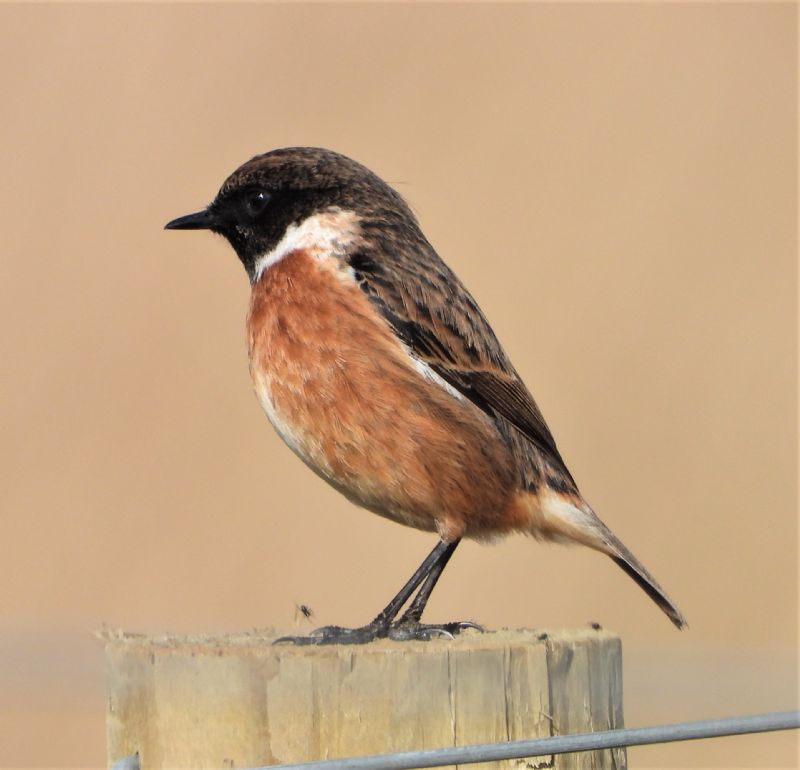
x=433, y=313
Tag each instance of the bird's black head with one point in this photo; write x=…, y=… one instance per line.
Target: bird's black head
x=261, y=199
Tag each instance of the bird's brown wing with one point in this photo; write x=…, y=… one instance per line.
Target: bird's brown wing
x=433, y=313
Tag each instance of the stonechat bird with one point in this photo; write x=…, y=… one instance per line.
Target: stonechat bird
x=376, y=366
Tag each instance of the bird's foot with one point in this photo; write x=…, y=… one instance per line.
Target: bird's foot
x=339, y=635
x=403, y=630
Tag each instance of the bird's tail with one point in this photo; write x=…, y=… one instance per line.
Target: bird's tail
x=622, y=556
x=570, y=519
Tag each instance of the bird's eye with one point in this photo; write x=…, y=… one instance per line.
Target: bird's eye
x=255, y=203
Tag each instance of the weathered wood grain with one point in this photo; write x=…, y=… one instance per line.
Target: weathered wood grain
x=237, y=701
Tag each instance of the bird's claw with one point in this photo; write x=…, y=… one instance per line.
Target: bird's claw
x=403, y=630
x=414, y=631
x=338, y=635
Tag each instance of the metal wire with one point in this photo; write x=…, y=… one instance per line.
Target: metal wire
x=537, y=747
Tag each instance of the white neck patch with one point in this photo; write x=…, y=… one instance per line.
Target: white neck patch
x=326, y=235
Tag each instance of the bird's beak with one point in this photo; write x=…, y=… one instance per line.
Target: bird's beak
x=202, y=220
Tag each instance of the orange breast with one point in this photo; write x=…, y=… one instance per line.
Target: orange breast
x=343, y=392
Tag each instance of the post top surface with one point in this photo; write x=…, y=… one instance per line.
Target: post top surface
x=263, y=638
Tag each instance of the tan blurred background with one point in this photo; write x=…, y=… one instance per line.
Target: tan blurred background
x=616, y=185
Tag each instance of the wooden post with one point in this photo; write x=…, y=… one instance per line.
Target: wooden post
x=237, y=701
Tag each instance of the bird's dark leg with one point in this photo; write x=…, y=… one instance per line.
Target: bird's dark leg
x=408, y=626
x=382, y=625
x=416, y=608
x=434, y=563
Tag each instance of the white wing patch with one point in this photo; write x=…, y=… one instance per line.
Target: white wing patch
x=429, y=374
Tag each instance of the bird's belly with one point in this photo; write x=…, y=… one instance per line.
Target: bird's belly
x=346, y=396
x=356, y=458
